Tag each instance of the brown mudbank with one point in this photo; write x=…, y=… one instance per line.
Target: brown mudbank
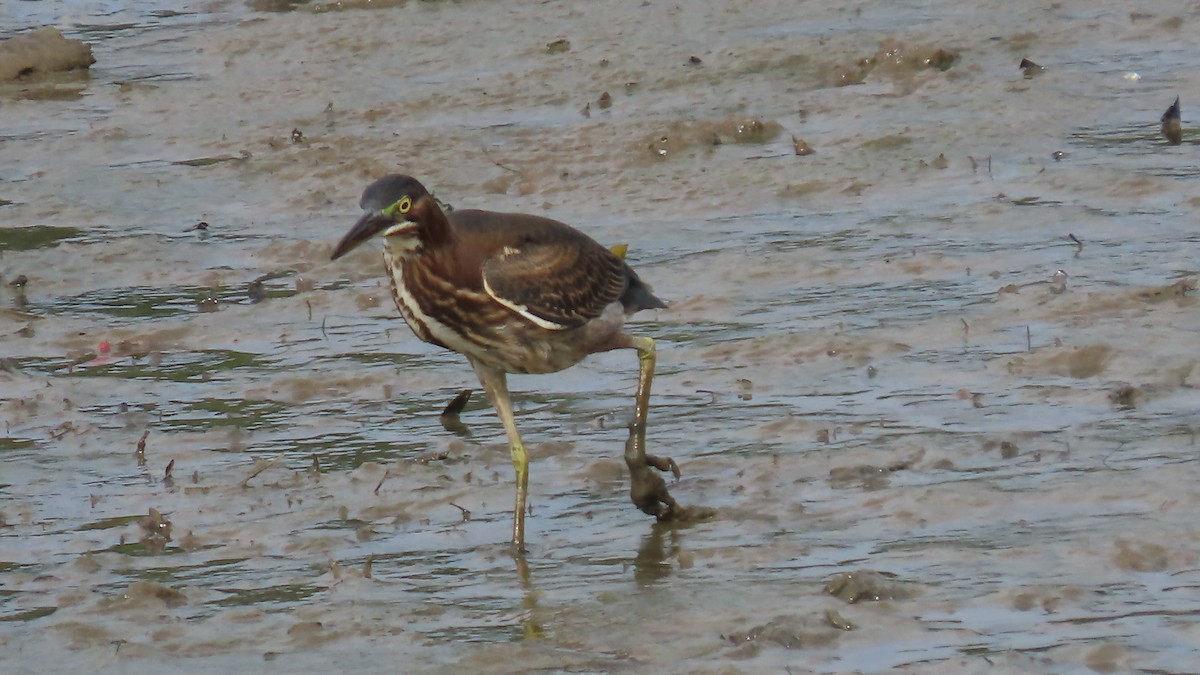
x=44, y=50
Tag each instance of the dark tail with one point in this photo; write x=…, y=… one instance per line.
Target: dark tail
x=638, y=295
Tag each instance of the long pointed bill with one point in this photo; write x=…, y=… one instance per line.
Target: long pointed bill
x=368, y=226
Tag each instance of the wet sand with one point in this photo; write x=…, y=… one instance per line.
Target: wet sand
x=929, y=450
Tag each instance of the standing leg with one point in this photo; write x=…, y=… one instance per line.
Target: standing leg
x=647, y=489
x=496, y=386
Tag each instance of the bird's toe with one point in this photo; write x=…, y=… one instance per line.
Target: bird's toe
x=664, y=464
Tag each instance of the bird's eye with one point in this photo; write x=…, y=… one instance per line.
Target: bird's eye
x=399, y=207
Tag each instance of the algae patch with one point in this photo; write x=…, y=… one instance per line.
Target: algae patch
x=37, y=236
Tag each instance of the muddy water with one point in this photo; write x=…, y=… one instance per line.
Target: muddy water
x=929, y=453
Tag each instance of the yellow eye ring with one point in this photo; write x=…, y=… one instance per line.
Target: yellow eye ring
x=400, y=206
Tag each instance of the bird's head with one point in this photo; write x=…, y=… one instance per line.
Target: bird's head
x=399, y=208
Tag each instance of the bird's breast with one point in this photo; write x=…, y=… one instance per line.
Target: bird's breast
x=437, y=311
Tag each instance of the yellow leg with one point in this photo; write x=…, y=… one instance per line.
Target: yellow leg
x=646, y=362
x=647, y=489
x=495, y=384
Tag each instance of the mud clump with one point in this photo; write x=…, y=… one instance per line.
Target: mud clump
x=897, y=61
x=868, y=476
x=275, y=5
x=1108, y=658
x=559, y=46
x=683, y=136
x=321, y=7
x=1141, y=557
x=865, y=475
x=156, y=530
x=749, y=130
x=44, y=50
x=1178, y=290
x=889, y=142
x=142, y=594
x=1087, y=361
x=1125, y=397
x=867, y=585
x=789, y=632
x=1079, y=363
x=804, y=189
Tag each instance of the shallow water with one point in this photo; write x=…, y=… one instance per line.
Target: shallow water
x=866, y=365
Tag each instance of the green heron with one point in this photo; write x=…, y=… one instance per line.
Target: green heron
x=514, y=293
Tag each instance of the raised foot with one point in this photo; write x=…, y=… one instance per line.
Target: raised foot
x=648, y=491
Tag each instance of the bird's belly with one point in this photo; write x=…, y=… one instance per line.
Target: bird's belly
x=526, y=348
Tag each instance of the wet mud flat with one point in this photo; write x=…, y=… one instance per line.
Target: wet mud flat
x=937, y=376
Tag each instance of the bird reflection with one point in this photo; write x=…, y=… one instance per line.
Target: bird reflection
x=657, y=555
x=531, y=626
x=658, y=547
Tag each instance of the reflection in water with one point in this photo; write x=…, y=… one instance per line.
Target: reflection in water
x=451, y=415
x=531, y=625
x=652, y=563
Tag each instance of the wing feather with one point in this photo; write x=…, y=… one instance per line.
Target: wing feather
x=556, y=284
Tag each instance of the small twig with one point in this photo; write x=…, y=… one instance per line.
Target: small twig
x=378, y=485
x=497, y=163
x=466, y=515
x=261, y=466
x=1028, y=340
x=140, y=453
x=1105, y=459
x=168, y=479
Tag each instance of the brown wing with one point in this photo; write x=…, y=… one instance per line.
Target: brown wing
x=558, y=280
